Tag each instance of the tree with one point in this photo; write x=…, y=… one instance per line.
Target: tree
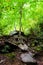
x=24, y=14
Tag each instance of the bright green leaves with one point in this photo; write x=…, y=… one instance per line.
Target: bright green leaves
x=9, y=12
x=28, y=15
x=32, y=13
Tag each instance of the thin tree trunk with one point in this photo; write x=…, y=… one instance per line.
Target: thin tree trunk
x=20, y=23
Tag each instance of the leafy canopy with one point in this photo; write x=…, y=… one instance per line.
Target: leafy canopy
x=31, y=15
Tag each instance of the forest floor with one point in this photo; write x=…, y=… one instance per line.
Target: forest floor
x=13, y=56
x=5, y=59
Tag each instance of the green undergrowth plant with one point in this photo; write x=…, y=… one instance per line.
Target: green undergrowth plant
x=20, y=15
x=5, y=49
x=11, y=55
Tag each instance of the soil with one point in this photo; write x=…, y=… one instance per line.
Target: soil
x=16, y=59
x=11, y=61
x=13, y=56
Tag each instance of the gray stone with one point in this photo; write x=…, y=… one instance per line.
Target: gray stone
x=23, y=47
x=27, y=58
x=31, y=54
x=13, y=32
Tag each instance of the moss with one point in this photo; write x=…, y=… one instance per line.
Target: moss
x=10, y=55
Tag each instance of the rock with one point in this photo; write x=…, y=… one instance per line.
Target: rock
x=13, y=32
x=23, y=47
x=2, y=61
x=27, y=58
x=31, y=54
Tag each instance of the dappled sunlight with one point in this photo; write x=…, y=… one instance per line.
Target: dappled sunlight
x=31, y=14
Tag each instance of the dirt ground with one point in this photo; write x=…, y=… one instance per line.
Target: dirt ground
x=13, y=57
x=15, y=60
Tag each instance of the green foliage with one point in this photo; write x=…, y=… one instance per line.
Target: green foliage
x=11, y=55
x=32, y=15
x=5, y=49
x=36, y=45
